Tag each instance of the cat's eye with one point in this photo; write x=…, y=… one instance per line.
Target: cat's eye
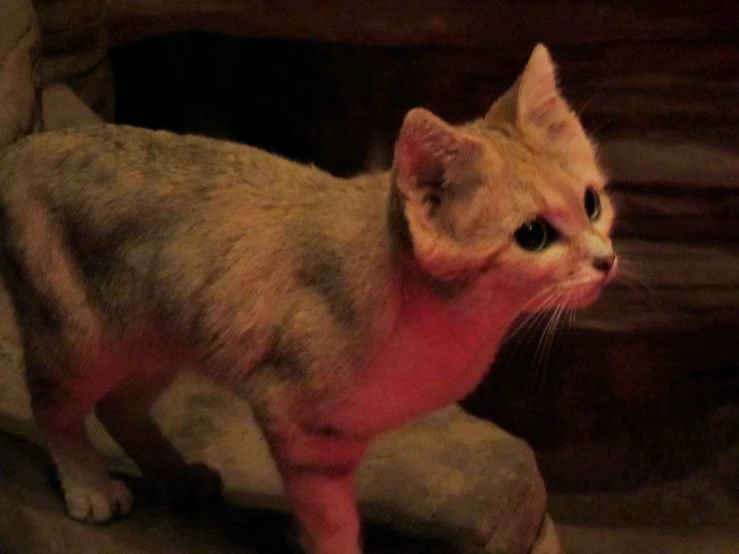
x=535, y=235
x=592, y=204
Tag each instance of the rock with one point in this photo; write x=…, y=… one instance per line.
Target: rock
x=33, y=518
x=75, y=51
x=62, y=108
x=20, y=111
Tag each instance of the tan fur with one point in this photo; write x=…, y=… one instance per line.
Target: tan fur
x=337, y=308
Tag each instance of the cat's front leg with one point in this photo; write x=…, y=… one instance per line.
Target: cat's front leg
x=325, y=508
x=318, y=469
x=90, y=494
x=60, y=407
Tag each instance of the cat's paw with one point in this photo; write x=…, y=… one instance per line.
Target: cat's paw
x=98, y=504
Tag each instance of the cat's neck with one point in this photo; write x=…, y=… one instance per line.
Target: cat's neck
x=436, y=351
x=474, y=315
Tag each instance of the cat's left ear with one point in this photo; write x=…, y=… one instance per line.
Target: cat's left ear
x=538, y=101
x=535, y=102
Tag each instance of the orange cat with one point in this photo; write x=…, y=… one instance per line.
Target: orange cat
x=339, y=308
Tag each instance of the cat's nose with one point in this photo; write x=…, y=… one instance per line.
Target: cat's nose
x=604, y=263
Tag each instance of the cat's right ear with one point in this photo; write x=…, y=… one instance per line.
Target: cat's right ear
x=434, y=164
x=430, y=154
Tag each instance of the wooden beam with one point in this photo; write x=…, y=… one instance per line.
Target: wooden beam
x=378, y=22
x=469, y=23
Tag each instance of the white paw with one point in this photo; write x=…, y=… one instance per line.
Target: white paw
x=98, y=504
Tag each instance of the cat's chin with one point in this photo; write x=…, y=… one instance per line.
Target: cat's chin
x=587, y=298
x=572, y=299
x=589, y=294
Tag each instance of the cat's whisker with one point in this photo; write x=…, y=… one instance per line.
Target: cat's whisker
x=538, y=352
x=556, y=327
x=528, y=328
x=535, y=362
x=586, y=104
x=631, y=276
x=526, y=333
x=539, y=359
x=564, y=312
x=636, y=281
x=544, y=338
x=533, y=309
x=546, y=343
x=573, y=312
x=593, y=132
x=529, y=325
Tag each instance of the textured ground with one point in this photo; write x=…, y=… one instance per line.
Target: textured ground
x=693, y=515
x=32, y=520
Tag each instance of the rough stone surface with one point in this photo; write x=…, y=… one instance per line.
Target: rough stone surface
x=447, y=476
x=62, y=108
x=33, y=521
x=19, y=75
x=75, y=51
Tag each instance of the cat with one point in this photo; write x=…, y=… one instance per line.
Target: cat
x=338, y=308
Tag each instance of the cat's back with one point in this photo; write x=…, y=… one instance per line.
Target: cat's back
x=151, y=225
x=92, y=166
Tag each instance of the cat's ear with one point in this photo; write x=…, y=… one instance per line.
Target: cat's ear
x=430, y=154
x=538, y=101
x=534, y=103
x=435, y=166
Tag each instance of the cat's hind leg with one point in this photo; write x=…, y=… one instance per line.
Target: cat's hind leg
x=62, y=395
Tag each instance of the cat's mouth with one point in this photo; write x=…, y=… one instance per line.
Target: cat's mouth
x=586, y=292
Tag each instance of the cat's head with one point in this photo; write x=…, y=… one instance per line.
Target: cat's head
x=515, y=199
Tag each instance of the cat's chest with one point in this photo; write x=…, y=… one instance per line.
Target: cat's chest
x=426, y=365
